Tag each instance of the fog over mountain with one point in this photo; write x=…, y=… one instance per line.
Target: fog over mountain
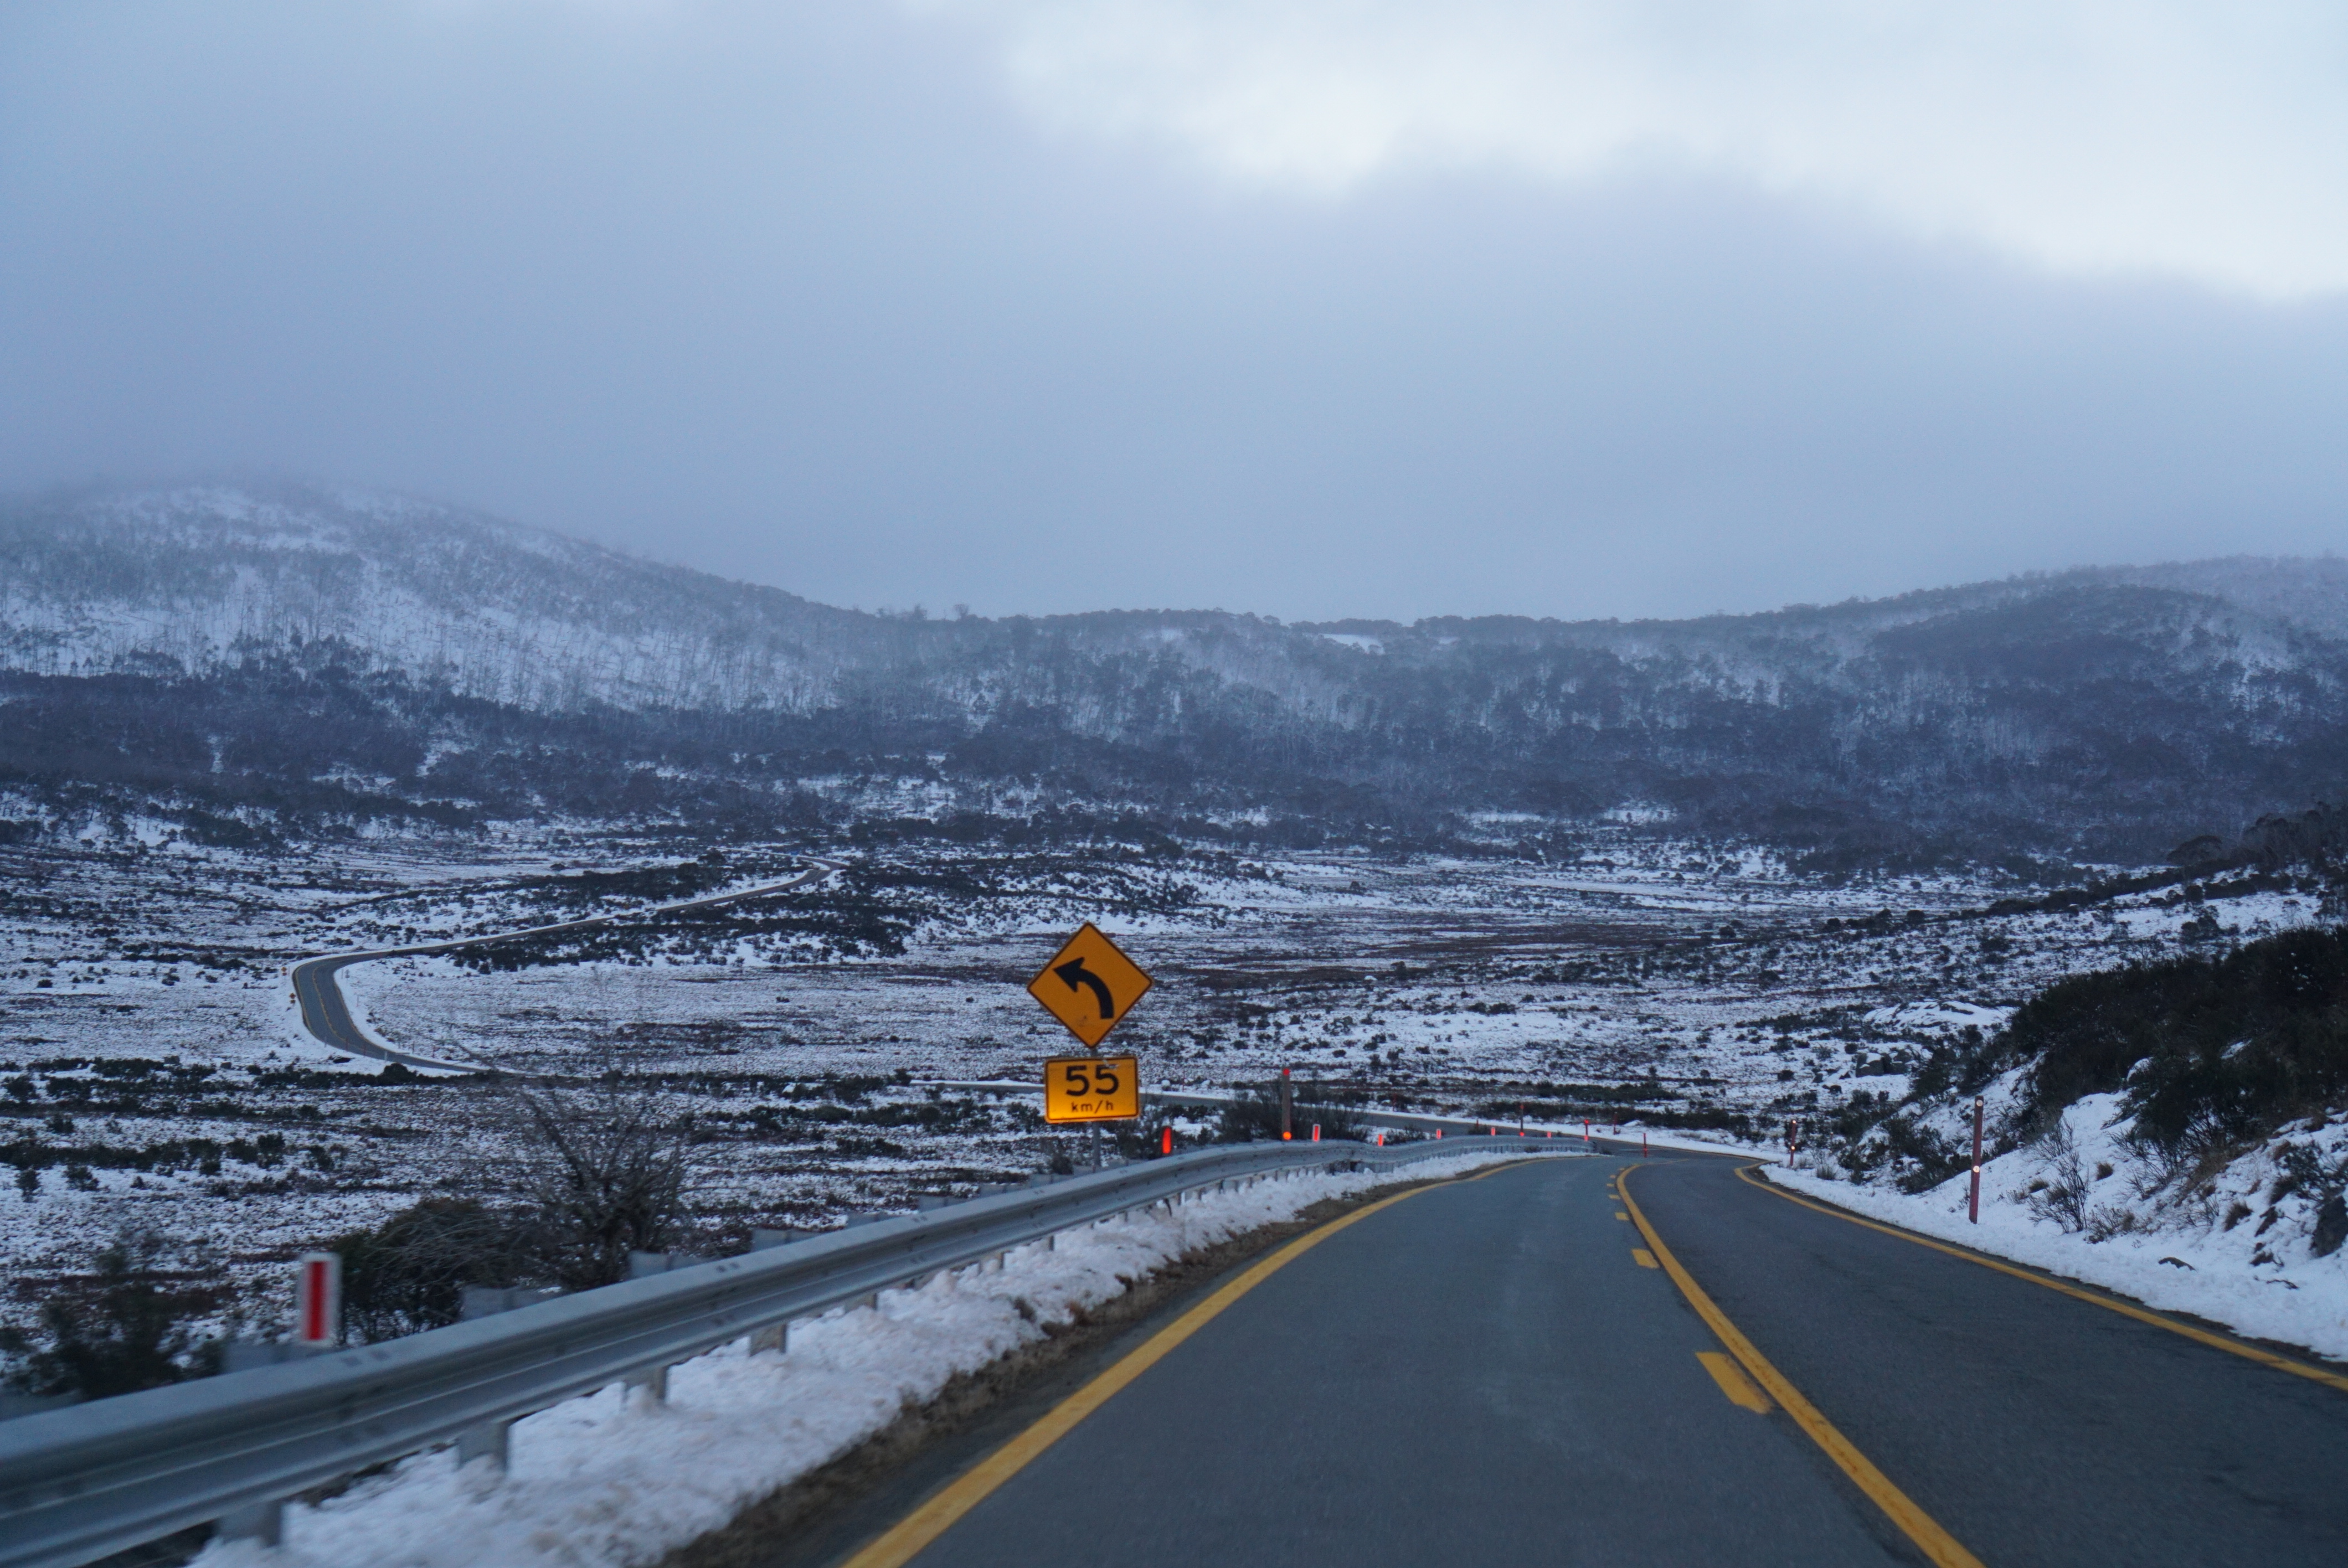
x=264, y=660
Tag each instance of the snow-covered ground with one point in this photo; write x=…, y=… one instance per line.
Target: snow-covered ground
x=149, y=1040
x=617, y=1480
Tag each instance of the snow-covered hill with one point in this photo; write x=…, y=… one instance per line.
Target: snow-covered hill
x=2106, y=712
x=189, y=579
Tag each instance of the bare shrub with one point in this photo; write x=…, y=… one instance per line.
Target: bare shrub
x=606, y=1174
x=2064, y=1199
x=410, y=1272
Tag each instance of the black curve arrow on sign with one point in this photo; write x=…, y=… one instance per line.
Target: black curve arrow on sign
x=1076, y=974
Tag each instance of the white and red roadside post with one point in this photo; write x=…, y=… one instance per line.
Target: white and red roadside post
x=1973, y=1203
x=1585, y=1131
x=1317, y=1131
x=318, y=1300
x=1792, y=1139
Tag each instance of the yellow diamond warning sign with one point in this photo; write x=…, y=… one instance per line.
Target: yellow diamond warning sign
x=1089, y=985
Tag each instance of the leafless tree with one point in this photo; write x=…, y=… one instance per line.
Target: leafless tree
x=606, y=1173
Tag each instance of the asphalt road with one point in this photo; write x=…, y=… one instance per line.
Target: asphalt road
x=1487, y=1368
x=327, y=1014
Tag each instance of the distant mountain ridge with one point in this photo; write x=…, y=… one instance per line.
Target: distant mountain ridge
x=197, y=577
x=2093, y=711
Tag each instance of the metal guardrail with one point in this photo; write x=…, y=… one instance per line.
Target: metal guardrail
x=1305, y=1112
x=80, y=1483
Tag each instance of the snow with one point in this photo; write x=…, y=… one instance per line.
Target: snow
x=617, y=1480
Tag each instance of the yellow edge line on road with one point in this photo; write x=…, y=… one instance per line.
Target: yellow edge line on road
x=2077, y=1291
x=1938, y=1545
x=910, y=1534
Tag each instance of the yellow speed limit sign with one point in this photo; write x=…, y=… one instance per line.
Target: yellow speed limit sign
x=1091, y=1089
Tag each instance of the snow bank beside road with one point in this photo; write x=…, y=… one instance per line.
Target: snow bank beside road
x=608, y=1480
x=2254, y=1278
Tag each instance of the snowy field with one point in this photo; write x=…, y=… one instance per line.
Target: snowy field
x=156, y=1071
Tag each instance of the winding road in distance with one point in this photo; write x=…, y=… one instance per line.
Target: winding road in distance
x=326, y=1013
x=1609, y=1361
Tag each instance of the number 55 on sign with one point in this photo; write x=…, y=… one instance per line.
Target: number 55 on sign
x=1091, y=1089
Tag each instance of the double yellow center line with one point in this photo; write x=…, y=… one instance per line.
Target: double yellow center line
x=1937, y=1544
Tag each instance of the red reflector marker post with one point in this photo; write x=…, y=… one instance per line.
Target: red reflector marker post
x=1973, y=1203
x=1165, y=1141
x=318, y=1300
x=1317, y=1131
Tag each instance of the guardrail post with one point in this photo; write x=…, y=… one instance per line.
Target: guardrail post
x=491, y=1439
x=775, y=1337
x=261, y=1521
x=644, y=1266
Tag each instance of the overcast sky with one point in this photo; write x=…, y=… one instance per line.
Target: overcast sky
x=1315, y=310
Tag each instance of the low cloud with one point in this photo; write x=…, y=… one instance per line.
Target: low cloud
x=2192, y=140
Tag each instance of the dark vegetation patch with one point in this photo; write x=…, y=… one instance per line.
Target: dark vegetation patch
x=122, y=1328
x=873, y=907
x=2223, y=1047
x=2209, y=1050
